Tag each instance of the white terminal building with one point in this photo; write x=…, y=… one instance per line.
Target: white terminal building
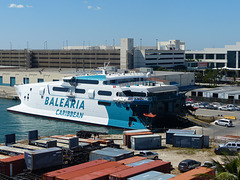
x=227, y=57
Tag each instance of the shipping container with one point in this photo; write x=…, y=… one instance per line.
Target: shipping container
x=12, y=166
x=171, y=132
x=106, y=141
x=45, y=143
x=85, y=171
x=133, y=131
x=189, y=141
x=12, y=151
x=129, y=135
x=144, y=142
x=146, y=176
x=191, y=175
x=43, y=158
x=140, y=162
x=90, y=141
x=157, y=165
x=111, y=154
x=163, y=177
x=132, y=160
x=51, y=175
x=127, y=153
x=4, y=156
x=102, y=174
x=25, y=146
x=63, y=141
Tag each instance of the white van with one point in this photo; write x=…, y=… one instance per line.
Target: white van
x=224, y=122
x=231, y=145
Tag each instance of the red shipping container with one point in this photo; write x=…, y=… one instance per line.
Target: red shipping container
x=128, y=137
x=13, y=165
x=132, y=160
x=191, y=175
x=84, y=171
x=51, y=175
x=132, y=131
x=157, y=165
x=102, y=174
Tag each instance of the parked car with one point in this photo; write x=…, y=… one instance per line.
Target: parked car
x=231, y=145
x=188, y=164
x=226, y=151
x=203, y=104
x=210, y=106
x=228, y=107
x=208, y=164
x=148, y=154
x=224, y=122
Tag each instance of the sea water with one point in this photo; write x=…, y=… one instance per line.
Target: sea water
x=20, y=124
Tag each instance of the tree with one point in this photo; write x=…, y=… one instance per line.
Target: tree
x=230, y=170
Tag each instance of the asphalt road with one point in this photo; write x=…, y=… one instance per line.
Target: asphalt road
x=217, y=130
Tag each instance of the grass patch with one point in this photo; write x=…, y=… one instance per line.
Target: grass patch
x=189, y=151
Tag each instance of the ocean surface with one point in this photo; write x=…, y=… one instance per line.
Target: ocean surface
x=20, y=124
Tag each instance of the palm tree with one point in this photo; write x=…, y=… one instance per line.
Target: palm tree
x=230, y=170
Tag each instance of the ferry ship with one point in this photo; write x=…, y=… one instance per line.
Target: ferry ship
x=118, y=100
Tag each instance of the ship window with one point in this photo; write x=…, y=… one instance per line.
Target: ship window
x=81, y=91
x=104, y=103
x=131, y=93
x=61, y=89
x=105, y=93
x=86, y=81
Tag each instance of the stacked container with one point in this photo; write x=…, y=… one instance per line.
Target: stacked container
x=12, y=166
x=132, y=131
x=43, y=158
x=86, y=171
x=138, y=163
x=157, y=165
x=52, y=175
x=129, y=135
x=146, y=176
x=102, y=174
x=132, y=160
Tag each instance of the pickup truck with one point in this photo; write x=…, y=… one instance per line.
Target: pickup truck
x=148, y=154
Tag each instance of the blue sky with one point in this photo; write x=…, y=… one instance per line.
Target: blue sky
x=201, y=24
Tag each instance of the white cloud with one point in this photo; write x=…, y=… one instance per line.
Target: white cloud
x=95, y=8
x=28, y=6
x=16, y=6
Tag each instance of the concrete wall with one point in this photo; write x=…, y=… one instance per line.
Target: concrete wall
x=33, y=76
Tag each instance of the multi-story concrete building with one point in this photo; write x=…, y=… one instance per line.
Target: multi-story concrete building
x=227, y=57
x=126, y=56
x=166, y=55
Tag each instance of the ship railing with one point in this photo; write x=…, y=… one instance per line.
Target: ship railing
x=137, y=83
x=131, y=99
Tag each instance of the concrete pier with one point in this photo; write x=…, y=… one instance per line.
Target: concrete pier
x=8, y=92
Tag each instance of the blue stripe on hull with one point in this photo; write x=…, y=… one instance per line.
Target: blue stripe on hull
x=119, y=114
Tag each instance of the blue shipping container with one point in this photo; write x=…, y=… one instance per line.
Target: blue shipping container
x=138, y=163
x=146, y=176
x=188, y=141
x=171, y=132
